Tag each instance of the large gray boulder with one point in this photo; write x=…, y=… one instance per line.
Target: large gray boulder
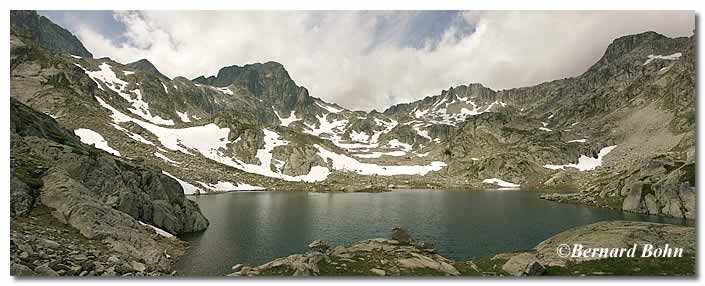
x=615, y=234
x=524, y=264
x=21, y=197
x=76, y=205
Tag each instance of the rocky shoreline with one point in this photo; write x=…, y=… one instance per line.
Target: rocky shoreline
x=401, y=255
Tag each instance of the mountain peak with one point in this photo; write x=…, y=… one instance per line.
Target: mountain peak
x=230, y=74
x=49, y=35
x=146, y=66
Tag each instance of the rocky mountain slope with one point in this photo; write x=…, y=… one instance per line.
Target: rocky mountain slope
x=252, y=127
x=46, y=33
x=102, y=208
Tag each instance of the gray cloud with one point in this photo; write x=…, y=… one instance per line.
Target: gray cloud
x=366, y=60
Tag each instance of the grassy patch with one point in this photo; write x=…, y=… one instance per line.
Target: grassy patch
x=684, y=266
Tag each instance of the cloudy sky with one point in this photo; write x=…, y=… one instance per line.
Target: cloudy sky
x=370, y=60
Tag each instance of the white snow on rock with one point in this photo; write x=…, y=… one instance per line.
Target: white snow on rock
x=380, y=154
x=183, y=116
x=576, y=123
x=422, y=155
x=394, y=143
x=159, y=231
x=128, y=72
x=133, y=136
x=229, y=187
x=419, y=131
x=545, y=129
x=211, y=140
x=438, y=112
x=328, y=108
x=501, y=183
x=107, y=77
x=359, y=136
x=551, y=116
x=420, y=114
x=388, y=126
x=585, y=163
x=578, y=141
x=544, y=124
x=189, y=189
x=165, y=158
x=286, y=121
x=672, y=57
x=91, y=137
x=225, y=90
x=75, y=57
x=164, y=86
x=345, y=163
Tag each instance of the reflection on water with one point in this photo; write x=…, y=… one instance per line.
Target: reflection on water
x=255, y=227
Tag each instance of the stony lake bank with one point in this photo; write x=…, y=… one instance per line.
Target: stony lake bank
x=401, y=255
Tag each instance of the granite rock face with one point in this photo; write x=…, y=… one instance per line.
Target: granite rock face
x=46, y=33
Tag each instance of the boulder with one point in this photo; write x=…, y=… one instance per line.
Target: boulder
x=236, y=267
x=524, y=264
x=378, y=272
x=615, y=234
x=401, y=235
x=21, y=197
x=45, y=270
x=421, y=261
x=319, y=246
x=17, y=269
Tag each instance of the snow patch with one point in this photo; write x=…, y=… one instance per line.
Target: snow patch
x=183, y=116
x=359, y=136
x=501, y=183
x=159, y=231
x=545, y=129
x=133, y=136
x=189, y=189
x=165, y=158
x=225, y=90
x=585, y=163
x=286, y=121
x=672, y=57
x=229, y=187
x=107, y=77
x=345, y=163
x=328, y=108
x=91, y=137
x=578, y=141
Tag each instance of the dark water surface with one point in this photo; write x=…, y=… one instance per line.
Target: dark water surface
x=255, y=227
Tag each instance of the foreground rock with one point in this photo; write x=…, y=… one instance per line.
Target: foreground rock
x=616, y=234
x=388, y=257
x=374, y=257
x=78, y=211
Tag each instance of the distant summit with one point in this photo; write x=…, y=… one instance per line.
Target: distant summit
x=146, y=66
x=47, y=34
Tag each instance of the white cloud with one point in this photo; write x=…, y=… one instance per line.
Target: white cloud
x=340, y=57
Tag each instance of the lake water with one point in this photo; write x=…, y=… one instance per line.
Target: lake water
x=256, y=227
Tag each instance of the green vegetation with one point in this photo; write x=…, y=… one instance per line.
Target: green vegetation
x=628, y=267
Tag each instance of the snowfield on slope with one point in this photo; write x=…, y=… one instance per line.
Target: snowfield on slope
x=159, y=231
x=585, y=163
x=672, y=57
x=91, y=137
x=210, y=141
x=501, y=183
x=139, y=106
